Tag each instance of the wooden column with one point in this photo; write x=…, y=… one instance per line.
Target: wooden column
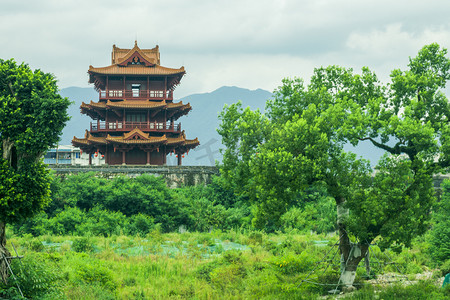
x=90, y=158
x=123, y=157
x=165, y=156
x=148, y=157
x=179, y=159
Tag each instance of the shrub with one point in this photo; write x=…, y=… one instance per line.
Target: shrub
x=82, y=244
x=317, y=214
x=67, y=221
x=226, y=275
x=420, y=290
x=440, y=232
x=103, y=222
x=37, y=276
x=37, y=225
x=140, y=224
x=445, y=267
x=93, y=272
x=291, y=264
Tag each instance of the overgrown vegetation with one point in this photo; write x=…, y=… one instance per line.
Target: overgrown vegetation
x=74, y=253
x=86, y=204
x=298, y=143
x=235, y=264
x=267, y=227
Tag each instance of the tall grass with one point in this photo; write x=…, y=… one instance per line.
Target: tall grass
x=218, y=265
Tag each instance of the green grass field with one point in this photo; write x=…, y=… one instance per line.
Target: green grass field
x=216, y=265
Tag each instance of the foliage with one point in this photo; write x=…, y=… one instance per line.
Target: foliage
x=145, y=194
x=420, y=290
x=440, y=232
x=116, y=270
x=79, y=201
x=274, y=158
x=37, y=276
x=316, y=211
x=95, y=272
x=32, y=115
x=82, y=244
x=23, y=192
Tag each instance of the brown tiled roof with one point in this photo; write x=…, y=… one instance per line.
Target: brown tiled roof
x=137, y=70
x=127, y=135
x=98, y=104
x=80, y=141
x=174, y=141
x=194, y=142
x=145, y=104
x=97, y=140
x=118, y=55
x=178, y=105
x=136, y=104
x=150, y=140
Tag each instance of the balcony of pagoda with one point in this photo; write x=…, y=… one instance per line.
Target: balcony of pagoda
x=135, y=94
x=102, y=126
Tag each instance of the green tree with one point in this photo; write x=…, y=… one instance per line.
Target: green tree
x=299, y=143
x=32, y=115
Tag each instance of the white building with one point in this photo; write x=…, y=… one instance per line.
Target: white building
x=70, y=155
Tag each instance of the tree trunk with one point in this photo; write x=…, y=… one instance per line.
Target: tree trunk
x=4, y=273
x=351, y=253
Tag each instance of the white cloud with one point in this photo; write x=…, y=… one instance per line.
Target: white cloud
x=247, y=43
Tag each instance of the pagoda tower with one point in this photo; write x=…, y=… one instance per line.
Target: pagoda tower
x=134, y=121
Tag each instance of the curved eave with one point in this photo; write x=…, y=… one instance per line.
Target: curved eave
x=97, y=140
x=135, y=131
x=155, y=70
x=79, y=142
x=140, y=51
x=136, y=104
x=181, y=113
x=151, y=141
x=192, y=143
x=92, y=109
x=176, y=141
x=178, y=105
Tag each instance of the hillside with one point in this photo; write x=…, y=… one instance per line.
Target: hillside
x=201, y=122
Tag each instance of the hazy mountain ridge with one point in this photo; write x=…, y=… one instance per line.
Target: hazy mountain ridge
x=201, y=121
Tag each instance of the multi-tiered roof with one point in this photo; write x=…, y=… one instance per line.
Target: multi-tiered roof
x=135, y=113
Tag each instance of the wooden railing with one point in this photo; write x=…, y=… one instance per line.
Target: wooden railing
x=136, y=94
x=128, y=126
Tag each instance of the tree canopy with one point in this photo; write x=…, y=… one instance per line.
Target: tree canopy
x=299, y=142
x=32, y=116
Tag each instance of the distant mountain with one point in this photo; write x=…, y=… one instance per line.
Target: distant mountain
x=201, y=122
x=78, y=122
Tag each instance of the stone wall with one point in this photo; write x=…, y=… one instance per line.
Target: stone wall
x=175, y=176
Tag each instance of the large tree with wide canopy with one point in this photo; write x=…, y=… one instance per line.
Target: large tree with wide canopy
x=299, y=142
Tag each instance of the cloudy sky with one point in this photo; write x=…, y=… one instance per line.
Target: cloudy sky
x=246, y=43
